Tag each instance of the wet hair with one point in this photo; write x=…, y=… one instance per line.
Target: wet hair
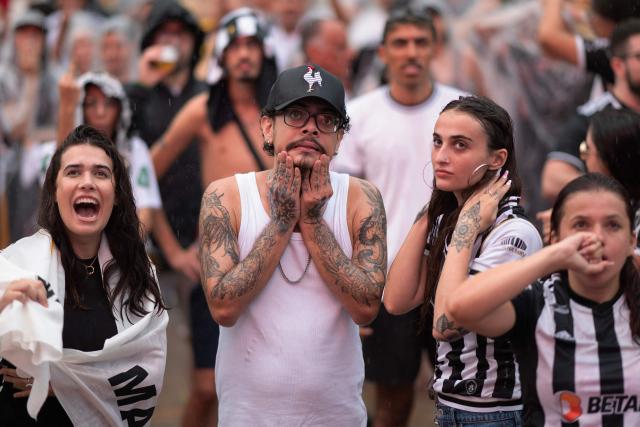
x=130, y=263
x=616, y=135
x=629, y=275
x=621, y=35
x=418, y=17
x=616, y=10
x=443, y=210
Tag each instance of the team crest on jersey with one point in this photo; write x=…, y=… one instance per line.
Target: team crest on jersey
x=570, y=406
x=312, y=78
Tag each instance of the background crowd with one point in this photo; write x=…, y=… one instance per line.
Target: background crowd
x=129, y=67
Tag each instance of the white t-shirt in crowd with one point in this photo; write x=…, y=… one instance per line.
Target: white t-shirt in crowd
x=389, y=144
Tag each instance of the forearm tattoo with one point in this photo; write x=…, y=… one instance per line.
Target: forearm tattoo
x=217, y=235
x=363, y=281
x=448, y=329
x=467, y=227
x=314, y=214
x=243, y=277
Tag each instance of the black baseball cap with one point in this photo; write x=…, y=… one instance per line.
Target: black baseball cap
x=307, y=81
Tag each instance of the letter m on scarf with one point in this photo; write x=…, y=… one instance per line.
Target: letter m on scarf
x=128, y=394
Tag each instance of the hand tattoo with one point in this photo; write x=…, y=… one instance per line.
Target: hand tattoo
x=448, y=329
x=314, y=214
x=282, y=202
x=467, y=227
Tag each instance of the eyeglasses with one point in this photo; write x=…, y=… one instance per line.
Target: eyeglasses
x=584, y=150
x=298, y=117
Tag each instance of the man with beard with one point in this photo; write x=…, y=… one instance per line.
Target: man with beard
x=289, y=350
x=390, y=145
x=564, y=164
x=225, y=121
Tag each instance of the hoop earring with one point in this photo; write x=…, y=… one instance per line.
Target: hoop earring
x=426, y=181
x=475, y=171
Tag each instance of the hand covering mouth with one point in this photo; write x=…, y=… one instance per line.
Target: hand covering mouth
x=86, y=207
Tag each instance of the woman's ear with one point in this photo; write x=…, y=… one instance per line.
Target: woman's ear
x=553, y=237
x=498, y=158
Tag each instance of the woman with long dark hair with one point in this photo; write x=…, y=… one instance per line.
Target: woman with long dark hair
x=473, y=222
x=572, y=310
x=103, y=318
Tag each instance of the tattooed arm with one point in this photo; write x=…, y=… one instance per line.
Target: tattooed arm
x=230, y=284
x=477, y=215
x=407, y=277
x=357, y=282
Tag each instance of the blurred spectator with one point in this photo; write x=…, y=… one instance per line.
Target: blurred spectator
x=81, y=43
x=59, y=24
x=117, y=47
x=563, y=163
x=170, y=45
x=28, y=104
x=561, y=41
x=324, y=42
x=285, y=31
x=390, y=144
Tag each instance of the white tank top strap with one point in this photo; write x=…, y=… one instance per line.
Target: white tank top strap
x=337, y=208
x=253, y=216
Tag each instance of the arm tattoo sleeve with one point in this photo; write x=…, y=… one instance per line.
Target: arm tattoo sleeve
x=364, y=281
x=465, y=232
x=219, y=241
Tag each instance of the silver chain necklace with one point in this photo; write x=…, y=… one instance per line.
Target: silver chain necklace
x=293, y=282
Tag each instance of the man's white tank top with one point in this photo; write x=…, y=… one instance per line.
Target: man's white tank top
x=294, y=356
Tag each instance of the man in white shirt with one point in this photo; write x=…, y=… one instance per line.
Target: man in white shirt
x=390, y=145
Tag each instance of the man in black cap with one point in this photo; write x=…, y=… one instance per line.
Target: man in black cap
x=289, y=350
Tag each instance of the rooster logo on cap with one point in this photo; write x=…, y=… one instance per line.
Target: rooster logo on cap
x=311, y=78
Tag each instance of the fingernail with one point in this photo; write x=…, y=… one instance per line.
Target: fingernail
x=509, y=182
x=506, y=173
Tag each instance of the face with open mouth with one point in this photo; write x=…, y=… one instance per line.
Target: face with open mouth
x=85, y=191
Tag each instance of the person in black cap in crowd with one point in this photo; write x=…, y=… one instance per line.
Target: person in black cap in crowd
x=289, y=351
x=170, y=47
x=226, y=123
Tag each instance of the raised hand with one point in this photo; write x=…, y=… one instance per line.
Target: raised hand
x=68, y=88
x=479, y=211
x=24, y=290
x=284, y=193
x=316, y=191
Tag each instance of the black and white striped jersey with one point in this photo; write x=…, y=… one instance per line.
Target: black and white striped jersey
x=579, y=363
x=476, y=373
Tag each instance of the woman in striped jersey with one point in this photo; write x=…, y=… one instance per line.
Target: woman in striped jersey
x=576, y=331
x=472, y=223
